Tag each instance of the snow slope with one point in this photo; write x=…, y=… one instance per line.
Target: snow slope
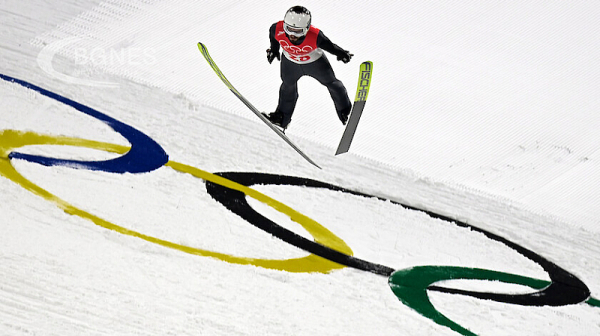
x=483, y=113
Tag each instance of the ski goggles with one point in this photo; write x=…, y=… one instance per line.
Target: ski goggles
x=299, y=32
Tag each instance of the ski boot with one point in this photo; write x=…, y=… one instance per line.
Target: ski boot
x=344, y=114
x=276, y=118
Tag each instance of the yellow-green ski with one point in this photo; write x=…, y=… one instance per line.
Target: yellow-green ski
x=362, y=92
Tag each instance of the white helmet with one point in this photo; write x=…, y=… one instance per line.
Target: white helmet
x=297, y=21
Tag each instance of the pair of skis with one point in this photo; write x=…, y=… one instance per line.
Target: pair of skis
x=362, y=91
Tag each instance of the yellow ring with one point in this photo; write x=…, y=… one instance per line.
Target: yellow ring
x=11, y=139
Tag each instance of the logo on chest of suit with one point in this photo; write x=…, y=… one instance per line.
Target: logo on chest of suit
x=291, y=49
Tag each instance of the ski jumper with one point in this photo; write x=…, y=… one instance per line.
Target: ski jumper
x=306, y=57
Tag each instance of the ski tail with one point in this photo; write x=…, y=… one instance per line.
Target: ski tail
x=362, y=92
x=219, y=73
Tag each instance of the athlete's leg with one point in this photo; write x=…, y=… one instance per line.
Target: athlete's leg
x=288, y=91
x=321, y=70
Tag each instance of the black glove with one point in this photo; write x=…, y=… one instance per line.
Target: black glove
x=272, y=54
x=345, y=57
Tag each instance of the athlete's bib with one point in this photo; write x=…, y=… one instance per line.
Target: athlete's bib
x=306, y=52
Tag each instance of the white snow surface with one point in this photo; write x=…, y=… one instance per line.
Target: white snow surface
x=483, y=111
